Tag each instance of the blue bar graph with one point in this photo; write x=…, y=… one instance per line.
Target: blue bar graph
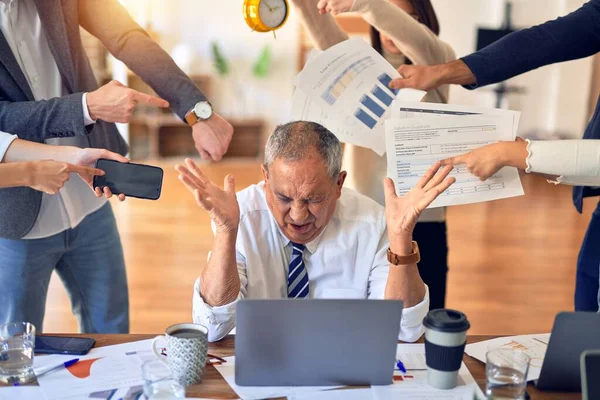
x=382, y=95
x=365, y=118
x=385, y=79
x=372, y=105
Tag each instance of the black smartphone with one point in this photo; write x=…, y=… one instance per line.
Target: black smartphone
x=63, y=345
x=133, y=180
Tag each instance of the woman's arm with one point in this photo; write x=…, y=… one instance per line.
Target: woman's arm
x=322, y=28
x=571, y=162
x=412, y=38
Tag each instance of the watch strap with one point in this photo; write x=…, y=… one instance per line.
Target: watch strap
x=191, y=117
x=412, y=258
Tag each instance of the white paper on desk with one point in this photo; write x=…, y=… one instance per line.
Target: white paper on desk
x=21, y=393
x=414, y=383
x=406, y=109
x=227, y=370
x=533, y=345
x=105, y=370
x=414, y=144
x=348, y=83
x=342, y=394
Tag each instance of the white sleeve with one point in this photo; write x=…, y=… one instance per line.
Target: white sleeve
x=411, y=325
x=576, y=162
x=87, y=119
x=5, y=141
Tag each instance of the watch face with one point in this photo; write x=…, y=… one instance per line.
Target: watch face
x=272, y=12
x=203, y=110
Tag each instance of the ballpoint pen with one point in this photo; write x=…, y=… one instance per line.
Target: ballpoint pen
x=400, y=366
x=44, y=370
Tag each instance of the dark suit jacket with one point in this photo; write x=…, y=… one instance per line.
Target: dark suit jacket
x=573, y=36
x=37, y=121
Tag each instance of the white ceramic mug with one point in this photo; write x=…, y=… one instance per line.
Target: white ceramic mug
x=187, y=347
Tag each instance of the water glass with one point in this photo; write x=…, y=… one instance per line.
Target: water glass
x=17, y=340
x=506, y=374
x=159, y=383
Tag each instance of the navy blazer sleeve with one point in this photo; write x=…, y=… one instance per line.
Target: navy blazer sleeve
x=573, y=36
x=127, y=41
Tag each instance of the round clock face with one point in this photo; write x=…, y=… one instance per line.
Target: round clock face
x=272, y=12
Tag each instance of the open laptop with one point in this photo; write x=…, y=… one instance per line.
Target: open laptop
x=316, y=342
x=572, y=334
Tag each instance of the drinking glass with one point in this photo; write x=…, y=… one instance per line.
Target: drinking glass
x=17, y=340
x=506, y=374
x=159, y=383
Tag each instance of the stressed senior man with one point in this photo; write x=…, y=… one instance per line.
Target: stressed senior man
x=300, y=234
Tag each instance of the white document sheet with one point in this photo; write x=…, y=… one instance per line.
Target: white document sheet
x=349, y=84
x=342, y=394
x=414, y=144
x=413, y=384
x=21, y=393
x=106, y=371
x=533, y=345
x=406, y=109
x=227, y=370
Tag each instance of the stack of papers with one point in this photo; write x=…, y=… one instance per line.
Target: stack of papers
x=533, y=345
x=227, y=370
x=420, y=134
x=345, y=89
x=410, y=385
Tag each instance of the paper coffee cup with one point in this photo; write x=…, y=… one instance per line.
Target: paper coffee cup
x=445, y=340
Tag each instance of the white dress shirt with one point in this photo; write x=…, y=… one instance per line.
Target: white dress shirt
x=22, y=28
x=346, y=261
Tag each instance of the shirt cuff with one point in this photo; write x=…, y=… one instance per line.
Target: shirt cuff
x=5, y=141
x=219, y=320
x=411, y=325
x=87, y=119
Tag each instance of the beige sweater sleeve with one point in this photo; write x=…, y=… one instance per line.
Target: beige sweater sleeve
x=322, y=28
x=414, y=39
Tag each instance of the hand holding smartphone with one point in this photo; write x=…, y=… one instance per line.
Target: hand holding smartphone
x=132, y=180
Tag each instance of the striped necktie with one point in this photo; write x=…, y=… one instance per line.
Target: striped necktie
x=297, y=274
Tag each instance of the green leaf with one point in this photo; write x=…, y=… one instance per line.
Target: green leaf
x=219, y=60
x=262, y=65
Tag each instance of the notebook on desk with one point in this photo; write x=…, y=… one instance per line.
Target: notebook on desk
x=316, y=342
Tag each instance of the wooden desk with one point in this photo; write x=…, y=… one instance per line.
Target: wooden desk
x=214, y=386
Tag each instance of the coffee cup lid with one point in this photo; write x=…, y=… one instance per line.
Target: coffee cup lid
x=446, y=320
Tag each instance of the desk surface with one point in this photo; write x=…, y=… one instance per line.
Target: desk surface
x=214, y=386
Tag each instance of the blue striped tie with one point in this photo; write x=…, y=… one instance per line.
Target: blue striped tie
x=297, y=274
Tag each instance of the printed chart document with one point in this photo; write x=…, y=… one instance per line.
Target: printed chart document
x=104, y=373
x=413, y=384
x=406, y=109
x=345, y=88
x=414, y=144
x=227, y=370
x=533, y=345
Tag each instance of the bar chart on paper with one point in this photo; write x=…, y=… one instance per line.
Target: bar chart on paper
x=344, y=79
x=374, y=104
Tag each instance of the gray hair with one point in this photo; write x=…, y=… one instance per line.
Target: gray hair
x=295, y=141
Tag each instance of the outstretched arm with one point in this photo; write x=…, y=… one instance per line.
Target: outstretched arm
x=219, y=280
